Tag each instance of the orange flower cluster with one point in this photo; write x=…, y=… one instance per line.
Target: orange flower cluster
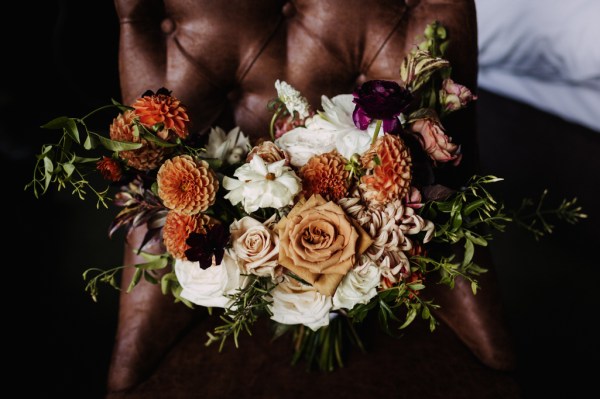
x=187, y=185
x=388, y=166
x=162, y=109
x=148, y=157
x=326, y=175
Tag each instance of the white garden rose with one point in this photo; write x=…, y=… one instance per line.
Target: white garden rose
x=210, y=286
x=256, y=246
x=302, y=144
x=296, y=303
x=358, y=286
x=333, y=128
x=262, y=185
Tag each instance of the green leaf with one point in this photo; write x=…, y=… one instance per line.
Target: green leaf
x=473, y=206
x=476, y=239
x=474, y=287
x=114, y=145
x=90, y=142
x=121, y=107
x=156, y=264
x=469, y=251
x=77, y=159
x=410, y=317
x=416, y=286
x=158, y=140
x=72, y=131
x=135, y=280
x=425, y=314
x=57, y=123
x=69, y=169
x=150, y=278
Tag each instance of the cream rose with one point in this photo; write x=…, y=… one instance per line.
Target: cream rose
x=358, y=286
x=209, y=287
x=319, y=243
x=256, y=246
x=296, y=303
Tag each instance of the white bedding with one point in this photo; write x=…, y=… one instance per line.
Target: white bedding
x=545, y=53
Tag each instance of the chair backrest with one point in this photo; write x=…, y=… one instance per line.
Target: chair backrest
x=221, y=58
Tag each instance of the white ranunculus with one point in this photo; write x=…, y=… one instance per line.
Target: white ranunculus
x=332, y=128
x=210, y=286
x=296, y=303
x=262, y=185
x=256, y=246
x=358, y=286
x=230, y=148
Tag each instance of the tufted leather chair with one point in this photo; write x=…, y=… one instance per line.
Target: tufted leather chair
x=222, y=59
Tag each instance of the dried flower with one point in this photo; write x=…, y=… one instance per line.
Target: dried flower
x=145, y=158
x=417, y=68
x=434, y=141
x=187, y=185
x=178, y=227
x=110, y=169
x=325, y=175
x=388, y=170
x=269, y=152
x=162, y=112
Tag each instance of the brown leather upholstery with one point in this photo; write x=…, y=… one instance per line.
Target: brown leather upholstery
x=222, y=59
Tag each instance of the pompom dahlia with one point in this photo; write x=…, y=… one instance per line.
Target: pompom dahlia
x=177, y=229
x=148, y=157
x=325, y=174
x=388, y=167
x=187, y=185
x=161, y=108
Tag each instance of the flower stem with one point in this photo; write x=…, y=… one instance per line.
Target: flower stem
x=376, y=133
x=272, y=124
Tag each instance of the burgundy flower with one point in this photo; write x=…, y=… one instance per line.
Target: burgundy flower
x=380, y=99
x=204, y=246
x=110, y=169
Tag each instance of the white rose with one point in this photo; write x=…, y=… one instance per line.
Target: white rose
x=262, y=185
x=210, y=286
x=302, y=143
x=333, y=128
x=358, y=286
x=256, y=246
x=296, y=303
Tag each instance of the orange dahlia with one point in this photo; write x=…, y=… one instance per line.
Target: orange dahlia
x=388, y=170
x=187, y=185
x=162, y=109
x=145, y=158
x=325, y=174
x=178, y=227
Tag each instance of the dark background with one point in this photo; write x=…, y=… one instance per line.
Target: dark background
x=67, y=65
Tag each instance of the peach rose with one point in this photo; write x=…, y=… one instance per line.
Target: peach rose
x=319, y=243
x=256, y=246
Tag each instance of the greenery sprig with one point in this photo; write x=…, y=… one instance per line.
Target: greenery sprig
x=248, y=304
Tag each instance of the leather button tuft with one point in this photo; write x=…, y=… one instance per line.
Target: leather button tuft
x=167, y=25
x=411, y=3
x=288, y=9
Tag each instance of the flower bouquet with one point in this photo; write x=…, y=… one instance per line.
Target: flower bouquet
x=335, y=217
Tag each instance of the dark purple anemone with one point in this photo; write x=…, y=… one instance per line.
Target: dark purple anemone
x=380, y=99
x=204, y=246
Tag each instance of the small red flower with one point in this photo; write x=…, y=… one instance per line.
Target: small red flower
x=110, y=169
